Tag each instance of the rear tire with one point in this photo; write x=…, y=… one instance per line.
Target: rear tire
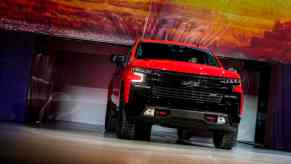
x=224, y=140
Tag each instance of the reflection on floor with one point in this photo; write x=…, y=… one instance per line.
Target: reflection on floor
x=75, y=143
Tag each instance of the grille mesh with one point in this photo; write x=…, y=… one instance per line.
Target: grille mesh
x=187, y=94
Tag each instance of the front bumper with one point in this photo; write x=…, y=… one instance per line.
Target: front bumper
x=177, y=118
x=178, y=114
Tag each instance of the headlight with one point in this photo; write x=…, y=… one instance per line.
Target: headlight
x=138, y=75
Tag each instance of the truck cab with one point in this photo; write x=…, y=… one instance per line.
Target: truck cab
x=176, y=85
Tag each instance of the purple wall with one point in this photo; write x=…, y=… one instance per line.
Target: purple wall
x=278, y=131
x=15, y=67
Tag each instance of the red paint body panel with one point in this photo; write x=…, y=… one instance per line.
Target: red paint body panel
x=184, y=67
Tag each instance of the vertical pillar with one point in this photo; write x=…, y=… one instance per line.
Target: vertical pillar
x=278, y=122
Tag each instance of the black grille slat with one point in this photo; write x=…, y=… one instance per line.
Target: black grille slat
x=184, y=94
x=192, y=98
x=171, y=86
x=174, y=80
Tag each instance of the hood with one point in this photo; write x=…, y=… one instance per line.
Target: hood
x=184, y=67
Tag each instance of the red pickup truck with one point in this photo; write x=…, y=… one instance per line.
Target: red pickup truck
x=175, y=85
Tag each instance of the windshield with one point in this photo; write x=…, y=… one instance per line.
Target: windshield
x=175, y=52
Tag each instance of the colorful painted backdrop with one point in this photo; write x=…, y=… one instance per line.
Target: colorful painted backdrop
x=238, y=28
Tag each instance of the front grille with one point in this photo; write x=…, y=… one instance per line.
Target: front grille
x=189, y=81
x=186, y=94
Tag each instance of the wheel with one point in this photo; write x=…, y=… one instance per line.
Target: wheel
x=143, y=131
x=110, y=122
x=224, y=140
x=184, y=134
x=124, y=129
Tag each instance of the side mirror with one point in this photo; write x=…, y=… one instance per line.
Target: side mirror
x=119, y=59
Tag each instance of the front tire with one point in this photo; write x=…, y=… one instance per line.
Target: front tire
x=224, y=140
x=143, y=131
x=184, y=134
x=125, y=129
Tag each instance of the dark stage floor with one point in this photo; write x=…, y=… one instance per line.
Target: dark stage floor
x=74, y=143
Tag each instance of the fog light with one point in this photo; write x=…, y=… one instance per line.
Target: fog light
x=150, y=111
x=221, y=120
